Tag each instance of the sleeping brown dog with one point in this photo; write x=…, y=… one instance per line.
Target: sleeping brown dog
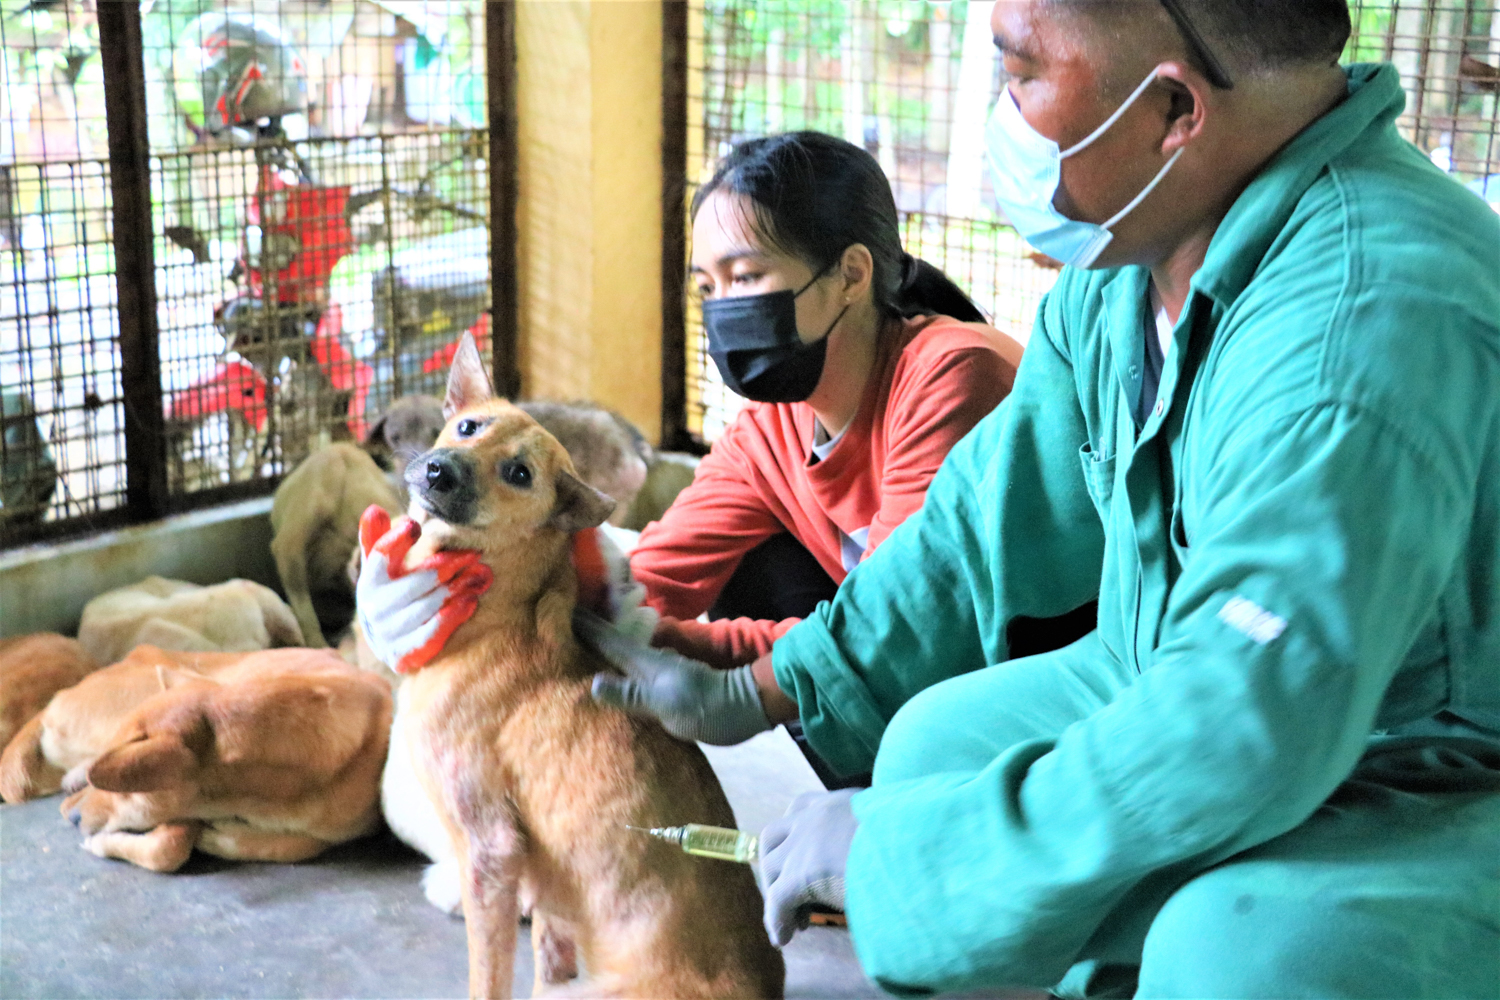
x=33, y=668
x=534, y=781
x=264, y=756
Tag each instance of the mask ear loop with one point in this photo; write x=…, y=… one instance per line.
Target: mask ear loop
x=814, y=280
x=1148, y=189
x=1111, y=119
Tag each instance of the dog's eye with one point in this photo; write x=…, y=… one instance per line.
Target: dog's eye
x=516, y=474
x=467, y=428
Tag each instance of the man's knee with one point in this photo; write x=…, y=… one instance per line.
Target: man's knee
x=937, y=732
x=1244, y=931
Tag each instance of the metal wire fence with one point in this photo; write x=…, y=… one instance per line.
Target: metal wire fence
x=913, y=82
x=60, y=409
x=319, y=204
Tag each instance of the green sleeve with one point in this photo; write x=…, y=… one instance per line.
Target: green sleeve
x=1007, y=529
x=1324, y=546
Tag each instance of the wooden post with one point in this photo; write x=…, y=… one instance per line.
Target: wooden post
x=135, y=262
x=674, y=101
x=500, y=69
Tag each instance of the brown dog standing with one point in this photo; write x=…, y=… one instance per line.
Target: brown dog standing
x=535, y=782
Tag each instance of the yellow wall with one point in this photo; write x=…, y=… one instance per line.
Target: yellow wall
x=588, y=106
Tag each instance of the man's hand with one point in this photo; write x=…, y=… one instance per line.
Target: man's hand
x=406, y=616
x=692, y=701
x=802, y=860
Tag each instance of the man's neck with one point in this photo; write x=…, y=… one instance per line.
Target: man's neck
x=1173, y=274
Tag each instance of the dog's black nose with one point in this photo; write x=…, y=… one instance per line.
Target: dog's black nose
x=75, y=815
x=441, y=477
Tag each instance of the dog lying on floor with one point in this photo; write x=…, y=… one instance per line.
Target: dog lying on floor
x=264, y=756
x=33, y=668
x=534, y=782
x=234, y=616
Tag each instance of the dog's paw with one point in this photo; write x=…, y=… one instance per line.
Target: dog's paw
x=76, y=778
x=95, y=845
x=440, y=884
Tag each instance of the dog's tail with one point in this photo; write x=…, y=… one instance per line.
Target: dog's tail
x=24, y=771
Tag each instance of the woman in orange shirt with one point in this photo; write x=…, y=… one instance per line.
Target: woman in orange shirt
x=864, y=367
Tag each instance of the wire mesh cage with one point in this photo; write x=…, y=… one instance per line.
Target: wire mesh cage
x=321, y=202
x=60, y=410
x=319, y=199
x=1449, y=57
x=913, y=81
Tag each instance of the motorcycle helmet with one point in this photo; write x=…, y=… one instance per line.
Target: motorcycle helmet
x=232, y=70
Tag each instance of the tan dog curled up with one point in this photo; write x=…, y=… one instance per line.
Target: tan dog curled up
x=535, y=782
x=265, y=756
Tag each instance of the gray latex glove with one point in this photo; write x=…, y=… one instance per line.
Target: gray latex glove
x=802, y=860
x=692, y=700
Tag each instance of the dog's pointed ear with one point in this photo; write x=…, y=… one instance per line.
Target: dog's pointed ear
x=143, y=765
x=578, y=504
x=375, y=435
x=468, y=379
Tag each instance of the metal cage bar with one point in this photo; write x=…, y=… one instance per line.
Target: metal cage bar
x=182, y=322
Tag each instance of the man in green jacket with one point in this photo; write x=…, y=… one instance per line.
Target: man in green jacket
x=1260, y=422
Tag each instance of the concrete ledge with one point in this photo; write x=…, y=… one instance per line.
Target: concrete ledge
x=44, y=587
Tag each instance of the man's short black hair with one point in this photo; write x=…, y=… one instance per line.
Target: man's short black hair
x=1258, y=35
x=1251, y=36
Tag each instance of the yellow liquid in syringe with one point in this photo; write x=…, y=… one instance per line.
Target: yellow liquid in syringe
x=709, y=841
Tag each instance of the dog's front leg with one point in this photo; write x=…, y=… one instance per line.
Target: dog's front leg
x=491, y=884
x=163, y=849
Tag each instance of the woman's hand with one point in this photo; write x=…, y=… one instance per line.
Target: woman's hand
x=692, y=700
x=407, y=615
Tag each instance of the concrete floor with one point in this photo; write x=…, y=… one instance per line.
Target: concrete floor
x=351, y=923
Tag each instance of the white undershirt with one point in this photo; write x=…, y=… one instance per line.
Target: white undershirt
x=1164, y=325
x=851, y=546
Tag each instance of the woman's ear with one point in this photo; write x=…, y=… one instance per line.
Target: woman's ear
x=1188, y=104
x=857, y=268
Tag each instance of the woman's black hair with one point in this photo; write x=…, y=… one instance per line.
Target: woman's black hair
x=814, y=196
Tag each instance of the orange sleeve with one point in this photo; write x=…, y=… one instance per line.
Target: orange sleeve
x=729, y=642
x=685, y=559
x=931, y=408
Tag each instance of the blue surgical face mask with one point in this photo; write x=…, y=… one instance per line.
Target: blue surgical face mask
x=1026, y=168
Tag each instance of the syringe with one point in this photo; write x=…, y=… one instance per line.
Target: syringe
x=709, y=841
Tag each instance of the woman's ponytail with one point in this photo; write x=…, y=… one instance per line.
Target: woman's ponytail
x=925, y=291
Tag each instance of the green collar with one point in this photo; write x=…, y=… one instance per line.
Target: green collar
x=1261, y=212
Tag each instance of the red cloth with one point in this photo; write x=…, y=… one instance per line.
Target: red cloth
x=934, y=379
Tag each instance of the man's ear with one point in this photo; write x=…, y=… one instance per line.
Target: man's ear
x=468, y=380
x=1188, y=102
x=578, y=505
x=144, y=765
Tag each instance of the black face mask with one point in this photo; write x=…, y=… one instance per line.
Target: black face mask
x=753, y=340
